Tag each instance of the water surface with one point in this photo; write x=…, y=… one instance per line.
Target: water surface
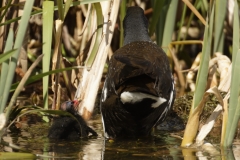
x=162, y=145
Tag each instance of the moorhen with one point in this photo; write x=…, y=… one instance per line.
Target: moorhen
x=139, y=89
x=66, y=127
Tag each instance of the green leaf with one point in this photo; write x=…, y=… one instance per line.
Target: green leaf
x=157, y=8
x=221, y=8
x=122, y=15
x=5, y=65
x=13, y=155
x=234, y=106
x=5, y=56
x=48, y=9
x=161, y=23
x=204, y=63
x=60, y=9
x=98, y=40
x=169, y=24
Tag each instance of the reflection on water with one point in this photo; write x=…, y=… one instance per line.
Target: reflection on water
x=152, y=148
x=33, y=137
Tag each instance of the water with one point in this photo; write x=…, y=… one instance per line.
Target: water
x=33, y=137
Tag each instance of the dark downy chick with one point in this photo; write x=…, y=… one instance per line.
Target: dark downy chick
x=66, y=127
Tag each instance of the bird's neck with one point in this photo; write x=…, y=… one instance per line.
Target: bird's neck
x=134, y=32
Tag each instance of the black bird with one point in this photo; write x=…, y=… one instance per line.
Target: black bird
x=139, y=89
x=66, y=127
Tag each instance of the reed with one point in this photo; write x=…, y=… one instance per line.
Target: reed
x=234, y=102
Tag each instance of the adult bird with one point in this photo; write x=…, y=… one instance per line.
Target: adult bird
x=139, y=90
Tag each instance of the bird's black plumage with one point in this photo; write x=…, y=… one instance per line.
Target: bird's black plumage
x=139, y=90
x=67, y=127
